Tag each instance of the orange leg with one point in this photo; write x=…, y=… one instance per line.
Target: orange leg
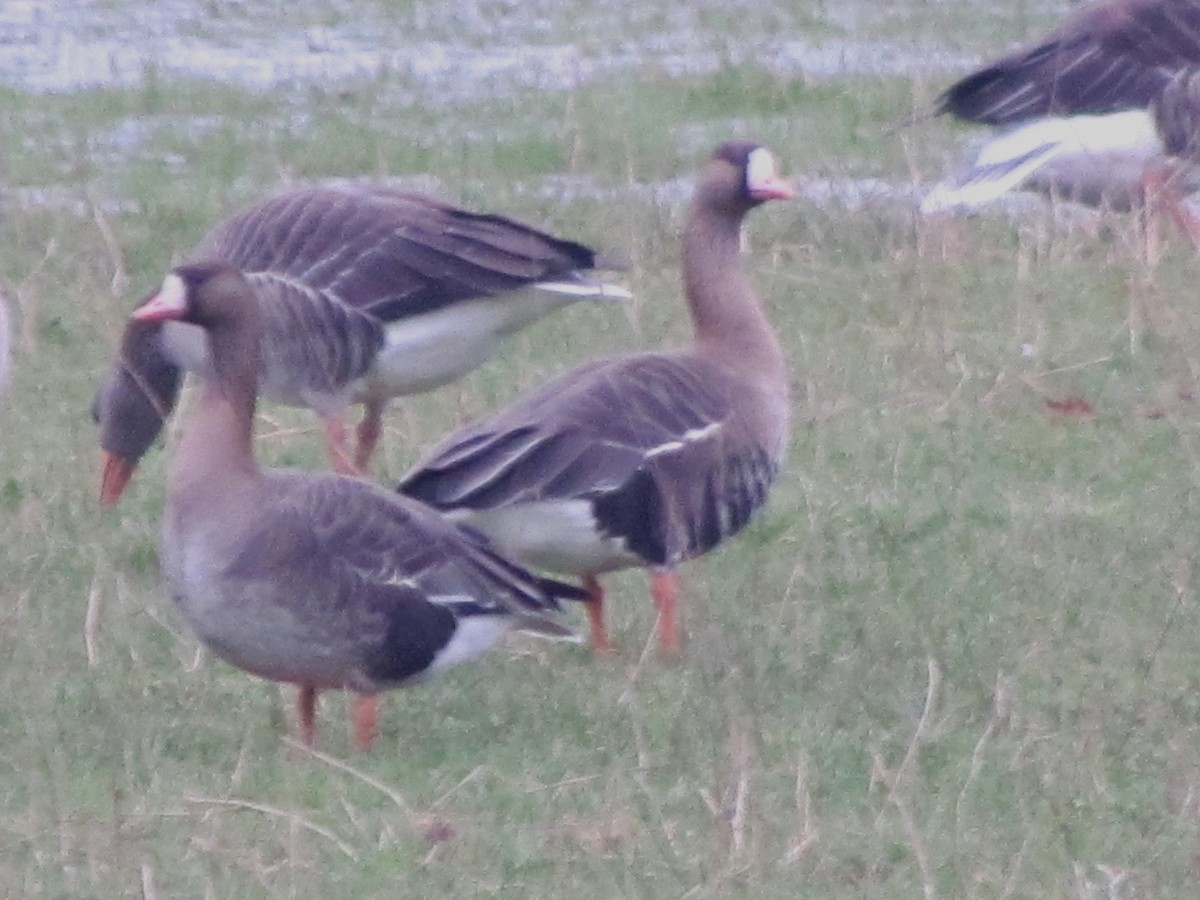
x=366, y=715
x=306, y=710
x=595, y=612
x=335, y=445
x=666, y=595
x=369, y=430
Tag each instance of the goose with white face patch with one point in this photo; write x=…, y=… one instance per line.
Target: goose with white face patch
x=365, y=294
x=643, y=460
x=317, y=579
x=1104, y=110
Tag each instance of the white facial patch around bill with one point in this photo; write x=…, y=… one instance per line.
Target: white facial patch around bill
x=760, y=170
x=172, y=294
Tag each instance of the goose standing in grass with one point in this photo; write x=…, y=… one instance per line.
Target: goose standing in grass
x=317, y=579
x=643, y=460
x=1102, y=111
x=367, y=293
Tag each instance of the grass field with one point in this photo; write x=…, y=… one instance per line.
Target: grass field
x=956, y=657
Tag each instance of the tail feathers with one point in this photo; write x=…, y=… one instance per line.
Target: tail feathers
x=561, y=590
x=988, y=181
x=611, y=261
x=545, y=623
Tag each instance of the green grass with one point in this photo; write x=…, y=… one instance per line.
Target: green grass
x=955, y=657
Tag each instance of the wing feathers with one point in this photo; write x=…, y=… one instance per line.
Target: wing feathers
x=1107, y=58
x=657, y=444
x=392, y=253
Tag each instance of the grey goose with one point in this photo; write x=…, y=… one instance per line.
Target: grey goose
x=643, y=460
x=317, y=579
x=367, y=293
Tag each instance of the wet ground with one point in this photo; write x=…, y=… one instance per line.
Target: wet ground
x=447, y=51
x=459, y=48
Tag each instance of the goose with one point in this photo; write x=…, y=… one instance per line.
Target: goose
x=645, y=460
x=367, y=293
x=318, y=579
x=1103, y=110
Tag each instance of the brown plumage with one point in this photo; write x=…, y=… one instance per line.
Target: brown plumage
x=366, y=293
x=1106, y=57
x=1177, y=115
x=1076, y=103
x=320, y=580
x=644, y=460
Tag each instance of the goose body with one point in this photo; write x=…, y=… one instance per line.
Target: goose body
x=644, y=460
x=366, y=294
x=1097, y=160
x=1081, y=110
x=320, y=580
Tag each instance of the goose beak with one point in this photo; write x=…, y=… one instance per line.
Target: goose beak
x=169, y=303
x=773, y=187
x=115, y=472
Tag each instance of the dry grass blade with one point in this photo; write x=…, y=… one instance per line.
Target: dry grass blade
x=895, y=782
x=275, y=812
x=91, y=622
x=116, y=259
x=388, y=791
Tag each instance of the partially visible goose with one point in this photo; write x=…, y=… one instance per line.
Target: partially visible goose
x=367, y=293
x=643, y=460
x=1101, y=110
x=321, y=580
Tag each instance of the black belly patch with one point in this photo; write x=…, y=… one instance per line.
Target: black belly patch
x=411, y=640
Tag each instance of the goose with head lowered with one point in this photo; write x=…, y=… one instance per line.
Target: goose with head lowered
x=366, y=293
x=644, y=460
x=1103, y=110
x=317, y=579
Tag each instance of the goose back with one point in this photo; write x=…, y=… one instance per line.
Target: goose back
x=1106, y=57
x=671, y=454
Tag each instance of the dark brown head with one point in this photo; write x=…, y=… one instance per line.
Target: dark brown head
x=140, y=390
x=212, y=295
x=131, y=404
x=740, y=176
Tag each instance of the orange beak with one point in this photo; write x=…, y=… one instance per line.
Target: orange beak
x=115, y=472
x=774, y=188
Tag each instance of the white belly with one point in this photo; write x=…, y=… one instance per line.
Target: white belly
x=557, y=536
x=425, y=352
x=472, y=636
